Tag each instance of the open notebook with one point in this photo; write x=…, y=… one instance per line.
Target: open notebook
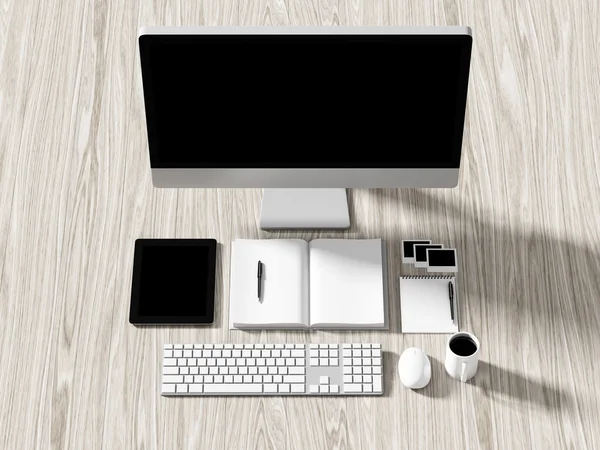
x=325, y=283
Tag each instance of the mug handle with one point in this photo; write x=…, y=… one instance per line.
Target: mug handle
x=463, y=372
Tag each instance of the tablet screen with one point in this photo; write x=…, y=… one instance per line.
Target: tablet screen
x=173, y=281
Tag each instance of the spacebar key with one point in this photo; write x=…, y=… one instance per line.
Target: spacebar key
x=232, y=388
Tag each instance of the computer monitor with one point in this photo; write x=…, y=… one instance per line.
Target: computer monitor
x=298, y=110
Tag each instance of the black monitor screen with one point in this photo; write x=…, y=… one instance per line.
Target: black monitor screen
x=305, y=101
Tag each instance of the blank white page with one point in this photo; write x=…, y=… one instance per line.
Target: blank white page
x=284, y=300
x=425, y=305
x=346, y=283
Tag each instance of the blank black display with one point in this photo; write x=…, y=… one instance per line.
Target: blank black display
x=409, y=248
x=421, y=251
x=337, y=101
x=442, y=258
x=173, y=281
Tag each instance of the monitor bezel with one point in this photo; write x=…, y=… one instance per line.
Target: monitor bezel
x=148, y=35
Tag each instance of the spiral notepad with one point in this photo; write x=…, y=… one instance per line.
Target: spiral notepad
x=425, y=304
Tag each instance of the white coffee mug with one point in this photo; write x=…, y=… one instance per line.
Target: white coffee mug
x=462, y=356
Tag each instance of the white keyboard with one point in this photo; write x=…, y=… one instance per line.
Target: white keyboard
x=272, y=369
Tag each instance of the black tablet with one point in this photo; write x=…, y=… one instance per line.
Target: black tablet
x=173, y=281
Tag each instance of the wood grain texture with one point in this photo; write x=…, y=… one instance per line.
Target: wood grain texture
x=75, y=192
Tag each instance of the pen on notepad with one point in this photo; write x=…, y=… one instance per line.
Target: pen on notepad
x=259, y=276
x=451, y=296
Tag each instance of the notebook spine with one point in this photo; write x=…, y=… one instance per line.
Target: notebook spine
x=426, y=277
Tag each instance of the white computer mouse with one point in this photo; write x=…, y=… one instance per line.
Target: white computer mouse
x=414, y=368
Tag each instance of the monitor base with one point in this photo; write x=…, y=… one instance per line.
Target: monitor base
x=304, y=209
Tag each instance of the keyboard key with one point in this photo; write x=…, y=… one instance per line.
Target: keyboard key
x=238, y=379
x=324, y=380
x=376, y=346
x=198, y=379
x=226, y=353
x=270, y=362
x=357, y=379
x=314, y=361
x=203, y=370
x=297, y=353
x=206, y=353
x=376, y=361
x=314, y=345
x=263, y=370
x=253, y=370
x=366, y=353
x=377, y=370
x=259, y=346
x=168, y=347
x=281, y=354
x=172, y=379
x=233, y=370
x=208, y=346
x=357, y=370
x=250, y=362
x=282, y=371
x=208, y=378
x=218, y=378
x=187, y=353
x=367, y=370
x=296, y=370
x=290, y=361
x=182, y=388
x=221, y=362
x=346, y=345
x=323, y=361
x=213, y=370
x=272, y=388
x=228, y=379
x=377, y=386
x=247, y=378
x=257, y=379
x=356, y=345
x=299, y=361
x=334, y=389
x=219, y=346
x=177, y=353
x=366, y=361
x=223, y=370
x=297, y=388
x=323, y=345
x=238, y=346
x=347, y=379
x=246, y=353
x=289, y=345
x=197, y=353
x=168, y=354
x=240, y=362
x=188, y=346
x=324, y=389
x=184, y=370
x=248, y=346
x=324, y=353
x=233, y=388
x=178, y=346
x=198, y=346
x=314, y=353
x=272, y=370
x=236, y=354
x=229, y=346
x=347, y=361
x=277, y=379
x=267, y=378
x=211, y=362
x=230, y=362
x=347, y=369
x=170, y=370
x=356, y=353
x=280, y=362
x=265, y=353
x=347, y=353
x=356, y=361
x=300, y=346
x=269, y=346
x=294, y=379
x=256, y=353
x=349, y=388
x=284, y=388
x=333, y=353
x=367, y=388
x=314, y=388
x=279, y=346
x=333, y=361
x=367, y=379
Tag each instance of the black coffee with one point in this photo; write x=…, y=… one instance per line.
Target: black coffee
x=463, y=346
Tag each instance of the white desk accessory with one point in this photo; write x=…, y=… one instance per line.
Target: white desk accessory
x=272, y=369
x=425, y=304
x=462, y=366
x=414, y=368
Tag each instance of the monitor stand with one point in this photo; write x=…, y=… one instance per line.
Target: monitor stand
x=304, y=209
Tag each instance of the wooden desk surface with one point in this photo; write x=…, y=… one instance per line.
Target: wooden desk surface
x=75, y=192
